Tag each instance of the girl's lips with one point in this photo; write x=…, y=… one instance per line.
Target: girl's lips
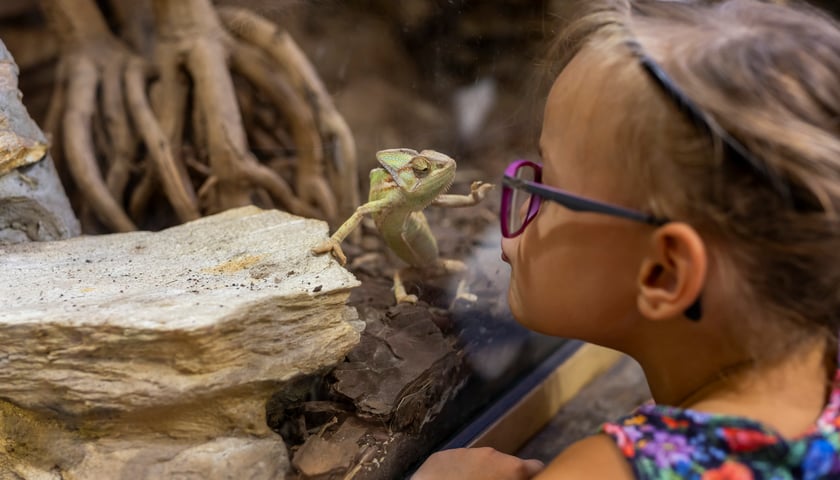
x=505, y=257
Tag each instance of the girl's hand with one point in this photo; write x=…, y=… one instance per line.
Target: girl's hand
x=482, y=463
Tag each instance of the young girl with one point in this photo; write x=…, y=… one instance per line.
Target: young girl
x=686, y=213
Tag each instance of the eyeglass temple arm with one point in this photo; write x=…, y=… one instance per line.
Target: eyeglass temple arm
x=579, y=204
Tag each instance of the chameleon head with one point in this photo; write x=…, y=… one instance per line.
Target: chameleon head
x=432, y=170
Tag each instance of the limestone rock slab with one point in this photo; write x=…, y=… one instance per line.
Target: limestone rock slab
x=219, y=459
x=223, y=305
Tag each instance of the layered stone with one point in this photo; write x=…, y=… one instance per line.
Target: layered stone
x=180, y=335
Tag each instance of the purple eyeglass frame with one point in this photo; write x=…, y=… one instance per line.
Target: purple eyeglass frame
x=541, y=192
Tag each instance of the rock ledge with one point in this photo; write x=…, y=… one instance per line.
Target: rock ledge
x=179, y=335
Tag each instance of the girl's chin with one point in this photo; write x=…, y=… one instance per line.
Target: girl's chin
x=517, y=311
x=513, y=304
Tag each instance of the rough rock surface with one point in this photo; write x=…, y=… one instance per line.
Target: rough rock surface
x=33, y=205
x=177, y=337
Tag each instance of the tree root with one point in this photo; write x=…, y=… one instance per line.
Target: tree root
x=282, y=49
x=99, y=91
x=126, y=129
x=88, y=49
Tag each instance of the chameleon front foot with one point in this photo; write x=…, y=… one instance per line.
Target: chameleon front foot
x=479, y=189
x=332, y=246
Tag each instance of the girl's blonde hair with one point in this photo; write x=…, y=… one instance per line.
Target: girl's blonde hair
x=769, y=76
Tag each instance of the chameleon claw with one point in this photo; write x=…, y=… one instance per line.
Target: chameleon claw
x=333, y=247
x=479, y=189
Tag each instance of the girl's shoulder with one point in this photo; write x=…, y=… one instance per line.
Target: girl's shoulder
x=596, y=456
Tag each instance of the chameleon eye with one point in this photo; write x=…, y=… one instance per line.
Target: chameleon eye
x=420, y=166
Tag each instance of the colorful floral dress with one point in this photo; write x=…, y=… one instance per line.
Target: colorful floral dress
x=672, y=443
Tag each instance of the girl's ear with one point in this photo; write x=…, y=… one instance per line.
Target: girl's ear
x=673, y=273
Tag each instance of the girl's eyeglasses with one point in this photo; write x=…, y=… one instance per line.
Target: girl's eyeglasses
x=522, y=193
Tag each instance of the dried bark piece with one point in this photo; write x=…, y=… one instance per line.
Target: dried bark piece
x=403, y=371
x=331, y=451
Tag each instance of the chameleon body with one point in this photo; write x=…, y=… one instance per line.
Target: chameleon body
x=405, y=184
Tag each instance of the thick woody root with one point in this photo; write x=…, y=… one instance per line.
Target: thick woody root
x=103, y=116
x=125, y=130
x=70, y=120
x=101, y=122
x=260, y=36
x=214, y=127
x=214, y=121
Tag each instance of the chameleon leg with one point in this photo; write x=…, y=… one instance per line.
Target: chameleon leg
x=441, y=267
x=452, y=267
x=478, y=190
x=462, y=293
x=400, y=295
x=333, y=244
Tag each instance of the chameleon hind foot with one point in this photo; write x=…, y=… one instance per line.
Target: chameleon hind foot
x=442, y=267
x=462, y=293
x=457, y=267
x=400, y=295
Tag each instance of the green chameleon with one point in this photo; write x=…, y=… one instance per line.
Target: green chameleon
x=407, y=183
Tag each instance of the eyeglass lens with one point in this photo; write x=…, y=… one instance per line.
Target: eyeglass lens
x=520, y=200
